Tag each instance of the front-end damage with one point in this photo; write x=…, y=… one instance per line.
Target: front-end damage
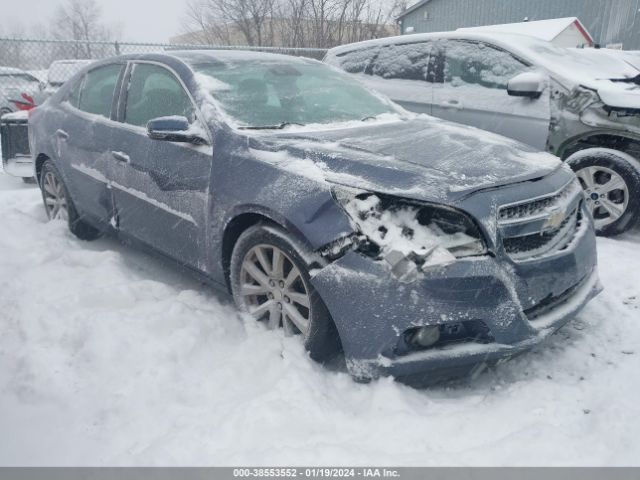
x=413, y=293
x=581, y=119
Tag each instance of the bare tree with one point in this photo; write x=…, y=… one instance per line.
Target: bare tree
x=81, y=20
x=292, y=23
x=222, y=20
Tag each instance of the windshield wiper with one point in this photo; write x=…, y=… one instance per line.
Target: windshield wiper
x=279, y=126
x=369, y=117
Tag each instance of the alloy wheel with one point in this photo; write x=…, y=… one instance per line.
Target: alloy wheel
x=273, y=289
x=55, y=200
x=606, y=192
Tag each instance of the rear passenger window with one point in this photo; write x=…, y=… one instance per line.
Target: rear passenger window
x=407, y=62
x=358, y=61
x=97, y=90
x=155, y=92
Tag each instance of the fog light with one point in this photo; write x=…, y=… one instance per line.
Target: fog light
x=426, y=336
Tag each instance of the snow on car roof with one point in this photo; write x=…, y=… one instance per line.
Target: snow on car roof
x=570, y=66
x=10, y=71
x=195, y=56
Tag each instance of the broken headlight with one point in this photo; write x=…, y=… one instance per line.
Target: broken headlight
x=398, y=230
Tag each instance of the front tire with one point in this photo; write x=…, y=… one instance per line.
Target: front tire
x=270, y=280
x=611, y=181
x=59, y=205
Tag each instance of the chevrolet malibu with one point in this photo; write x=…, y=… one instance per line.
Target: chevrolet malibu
x=416, y=247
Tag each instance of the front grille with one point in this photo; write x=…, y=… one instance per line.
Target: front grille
x=528, y=228
x=537, y=207
x=538, y=244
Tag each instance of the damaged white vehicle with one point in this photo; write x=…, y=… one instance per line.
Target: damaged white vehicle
x=581, y=105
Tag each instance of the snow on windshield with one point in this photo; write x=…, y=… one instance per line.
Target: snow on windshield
x=278, y=93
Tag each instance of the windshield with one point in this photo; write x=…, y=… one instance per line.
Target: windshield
x=274, y=94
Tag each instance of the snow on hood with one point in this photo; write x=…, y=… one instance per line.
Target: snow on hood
x=422, y=158
x=615, y=76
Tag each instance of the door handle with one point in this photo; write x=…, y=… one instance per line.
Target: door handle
x=62, y=134
x=121, y=157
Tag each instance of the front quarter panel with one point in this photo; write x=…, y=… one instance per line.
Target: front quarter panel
x=284, y=193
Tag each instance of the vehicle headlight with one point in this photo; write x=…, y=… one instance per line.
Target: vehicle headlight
x=406, y=232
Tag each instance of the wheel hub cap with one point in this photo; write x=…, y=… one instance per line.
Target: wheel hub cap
x=55, y=200
x=607, y=194
x=273, y=289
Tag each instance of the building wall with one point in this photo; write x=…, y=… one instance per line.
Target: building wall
x=608, y=21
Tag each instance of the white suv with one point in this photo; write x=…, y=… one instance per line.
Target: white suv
x=582, y=105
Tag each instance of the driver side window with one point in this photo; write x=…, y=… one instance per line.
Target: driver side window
x=155, y=92
x=474, y=63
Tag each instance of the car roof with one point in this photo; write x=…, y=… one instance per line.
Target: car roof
x=507, y=40
x=10, y=71
x=192, y=57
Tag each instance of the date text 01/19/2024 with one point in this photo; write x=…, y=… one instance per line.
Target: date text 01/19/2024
x=362, y=472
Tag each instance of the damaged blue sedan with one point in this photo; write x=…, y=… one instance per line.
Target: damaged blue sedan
x=416, y=247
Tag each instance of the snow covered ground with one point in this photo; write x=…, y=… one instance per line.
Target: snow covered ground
x=109, y=357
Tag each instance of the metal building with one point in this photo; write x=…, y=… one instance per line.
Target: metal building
x=614, y=23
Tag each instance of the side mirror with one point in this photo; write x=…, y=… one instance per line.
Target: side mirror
x=174, y=129
x=527, y=84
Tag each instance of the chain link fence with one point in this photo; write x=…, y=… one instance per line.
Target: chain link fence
x=29, y=66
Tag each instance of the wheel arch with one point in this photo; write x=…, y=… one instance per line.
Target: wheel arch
x=623, y=142
x=242, y=221
x=40, y=159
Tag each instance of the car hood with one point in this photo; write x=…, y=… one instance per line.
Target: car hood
x=623, y=93
x=615, y=75
x=421, y=158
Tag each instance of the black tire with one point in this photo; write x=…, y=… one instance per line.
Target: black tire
x=77, y=225
x=628, y=169
x=322, y=341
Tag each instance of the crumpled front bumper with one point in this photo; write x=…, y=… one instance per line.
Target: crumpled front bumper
x=372, y=309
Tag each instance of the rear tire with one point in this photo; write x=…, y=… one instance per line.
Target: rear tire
x=278, y=295
x=611, y=180
x=59, y=205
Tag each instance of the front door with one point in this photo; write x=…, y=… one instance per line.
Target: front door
x=161, y=188
x=472, y=90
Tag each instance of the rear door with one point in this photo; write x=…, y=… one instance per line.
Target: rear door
x=161, y=188
x=83, y=140
x=472, y=90
x=404, y=73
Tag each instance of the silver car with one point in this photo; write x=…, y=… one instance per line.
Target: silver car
x=582, y=105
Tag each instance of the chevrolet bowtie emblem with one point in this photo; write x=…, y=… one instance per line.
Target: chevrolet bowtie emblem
x=554, y=220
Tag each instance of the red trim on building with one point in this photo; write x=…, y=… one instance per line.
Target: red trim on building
x=583, y=31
